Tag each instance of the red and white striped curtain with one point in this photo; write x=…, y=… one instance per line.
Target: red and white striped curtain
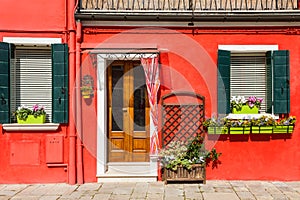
x=151, y=69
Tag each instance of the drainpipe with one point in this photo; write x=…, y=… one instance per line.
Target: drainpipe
x=78, y=106
x=72, y=74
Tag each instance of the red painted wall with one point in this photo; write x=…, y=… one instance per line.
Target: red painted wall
x=23, y=157
x=23, y=154
x=190, y=63
x=33, y=15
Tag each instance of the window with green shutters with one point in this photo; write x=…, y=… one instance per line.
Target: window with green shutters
x=261, y=74
x=33, y=76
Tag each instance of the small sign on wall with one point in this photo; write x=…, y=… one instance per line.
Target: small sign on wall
x=54, y=149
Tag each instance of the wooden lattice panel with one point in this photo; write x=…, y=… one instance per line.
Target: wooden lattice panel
x=182, y=122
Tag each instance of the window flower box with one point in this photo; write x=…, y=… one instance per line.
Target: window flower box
x=240, y=130
x=262, y=129
x=245, y=109
x=283, y=129
x=25, y=115
x=31, y=119
x=265, y=124
x=217, y=130
x=241, y=105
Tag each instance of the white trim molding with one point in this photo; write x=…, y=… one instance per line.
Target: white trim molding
x=30, y=127
x=248, y=48
x=32, y=40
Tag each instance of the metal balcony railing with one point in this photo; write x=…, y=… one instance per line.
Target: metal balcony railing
x=187, y=5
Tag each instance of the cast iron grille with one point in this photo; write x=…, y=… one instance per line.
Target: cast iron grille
x=182, y=5
x=182, y=121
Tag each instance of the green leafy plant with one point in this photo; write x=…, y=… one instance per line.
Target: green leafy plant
x=288, y=121
x=215, y=122
x=238, y=102
x=87, y=89
x=263, y=121
x=87, y=85
x=178, y=153
x=238, y=123
x=23, y=111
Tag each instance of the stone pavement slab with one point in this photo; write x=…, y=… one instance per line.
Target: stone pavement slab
x=212, y=190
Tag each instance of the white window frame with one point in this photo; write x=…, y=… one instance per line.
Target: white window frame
x=248, y=49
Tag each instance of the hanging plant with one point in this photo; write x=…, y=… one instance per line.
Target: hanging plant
x=87, y=86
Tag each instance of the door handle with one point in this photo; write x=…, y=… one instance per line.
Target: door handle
x=3, y=101
x=124, y=109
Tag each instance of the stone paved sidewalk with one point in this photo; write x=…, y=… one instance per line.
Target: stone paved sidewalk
x=212, y=190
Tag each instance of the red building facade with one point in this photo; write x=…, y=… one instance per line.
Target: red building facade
x=102, y=45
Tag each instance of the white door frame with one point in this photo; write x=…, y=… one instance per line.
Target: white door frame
x=103, y=61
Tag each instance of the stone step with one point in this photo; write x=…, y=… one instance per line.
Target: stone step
x=128, y=172
x=133, y=168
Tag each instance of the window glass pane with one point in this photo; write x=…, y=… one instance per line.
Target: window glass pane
x=31, y=79
x=249, y=76
x=117, y=98
x=139, y=99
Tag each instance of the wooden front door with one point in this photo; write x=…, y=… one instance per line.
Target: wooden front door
x=128, y=113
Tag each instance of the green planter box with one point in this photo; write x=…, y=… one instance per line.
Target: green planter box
x=262, y=129
x=246, y=110
x=217, y=130
x=283, y=129
x=240, y=130
x=33, y=120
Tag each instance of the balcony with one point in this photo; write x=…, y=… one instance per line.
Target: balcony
x=189, y=10
x=181, y=5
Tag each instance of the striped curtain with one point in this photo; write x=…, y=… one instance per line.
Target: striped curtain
x=151, y=70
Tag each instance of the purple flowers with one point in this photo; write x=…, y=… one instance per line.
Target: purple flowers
x=254, y=101
x=37, y=108
x=291, y=120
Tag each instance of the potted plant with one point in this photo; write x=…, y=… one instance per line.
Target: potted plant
x=285, y=125
x=242, y=105
x=216, y=125
x=25, y=115
x=182, y=161
x=86, y=92
x=264, y=124
x=87, y=87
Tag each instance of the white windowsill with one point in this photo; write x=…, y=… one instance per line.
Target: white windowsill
x=250, y=116
x=30, y=127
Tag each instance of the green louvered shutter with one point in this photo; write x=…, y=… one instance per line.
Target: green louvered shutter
x=5, y=56
x=281, y=81
x=269, y=92
x=223, y=82
x=60, y=89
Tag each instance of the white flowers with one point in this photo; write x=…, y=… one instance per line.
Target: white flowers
x=238, y=100
x=22, y=107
